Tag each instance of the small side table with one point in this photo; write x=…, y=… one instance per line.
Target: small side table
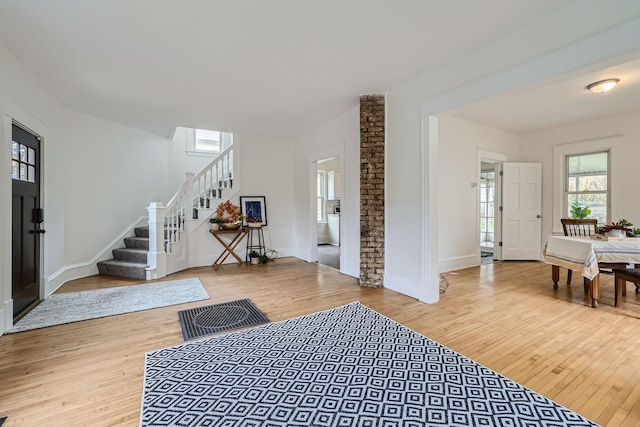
x=229, y=248
x=255, y=233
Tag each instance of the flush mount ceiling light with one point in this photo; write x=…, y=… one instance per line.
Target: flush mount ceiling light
x=603, y=85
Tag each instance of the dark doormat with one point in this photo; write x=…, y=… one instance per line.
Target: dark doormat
x=2, y=420
x=212, y=319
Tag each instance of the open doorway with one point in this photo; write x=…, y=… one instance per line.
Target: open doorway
x=328, y=212
x=487, y=211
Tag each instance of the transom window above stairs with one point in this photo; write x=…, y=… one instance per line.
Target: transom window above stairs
x=203, y=142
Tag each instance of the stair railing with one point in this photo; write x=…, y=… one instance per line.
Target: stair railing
x=167, y=224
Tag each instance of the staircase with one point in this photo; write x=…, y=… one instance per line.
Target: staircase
x=130, y=261
x=162, y=247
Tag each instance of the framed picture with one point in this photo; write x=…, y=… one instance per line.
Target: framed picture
x=255, y=208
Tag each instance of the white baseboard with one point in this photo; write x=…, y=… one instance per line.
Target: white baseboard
x=300, y=254
x=402, y=285
x=458, y=263
x=89, y=268
x=350, y=269
x=3, y=321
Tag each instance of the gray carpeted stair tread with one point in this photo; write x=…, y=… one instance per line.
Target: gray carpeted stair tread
x=130, y=254
x=142, y=231
x=134, y=270
x=137, y=242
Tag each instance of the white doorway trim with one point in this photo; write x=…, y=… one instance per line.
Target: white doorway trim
x=496, y=159
x=312, y=223
x=10, y=113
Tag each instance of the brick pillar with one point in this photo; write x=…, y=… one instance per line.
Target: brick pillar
x=372, y=190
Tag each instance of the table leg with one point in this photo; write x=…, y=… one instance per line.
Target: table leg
x=228, y=249
x=595, y=290
x=555, y=275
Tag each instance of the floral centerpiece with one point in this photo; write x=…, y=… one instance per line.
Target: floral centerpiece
x=623, y=226
x=229, y=216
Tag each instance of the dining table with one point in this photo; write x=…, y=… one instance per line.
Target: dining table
x=583, y=254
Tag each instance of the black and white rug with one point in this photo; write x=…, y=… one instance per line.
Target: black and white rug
x=349, y=366
x=213, y=319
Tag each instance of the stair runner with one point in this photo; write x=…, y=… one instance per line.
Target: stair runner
x=130, y=261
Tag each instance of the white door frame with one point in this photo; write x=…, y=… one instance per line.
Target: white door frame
x=496, y=159
x=312, y=230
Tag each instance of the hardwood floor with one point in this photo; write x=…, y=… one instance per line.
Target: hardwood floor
x=504, y=315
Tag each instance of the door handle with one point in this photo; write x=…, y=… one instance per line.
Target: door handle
x=538, y=216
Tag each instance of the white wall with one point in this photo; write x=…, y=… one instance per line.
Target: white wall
x=458, y=232
x=180, y=162
x=266, y=169
x=339, y=137
x=538, y=147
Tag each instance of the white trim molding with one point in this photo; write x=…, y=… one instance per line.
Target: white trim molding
x=610, y=144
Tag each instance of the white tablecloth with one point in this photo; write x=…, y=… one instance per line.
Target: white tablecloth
x=584, y=254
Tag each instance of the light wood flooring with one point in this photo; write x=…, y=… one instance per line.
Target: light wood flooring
x=504, y=315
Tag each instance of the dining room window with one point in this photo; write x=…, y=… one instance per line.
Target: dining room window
x=587, y=184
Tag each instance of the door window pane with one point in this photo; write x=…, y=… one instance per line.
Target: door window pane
x=31, y=174
x=23, y=153
x=23, y=172
x=14, y=170
x=15, y=150
x=31, y=158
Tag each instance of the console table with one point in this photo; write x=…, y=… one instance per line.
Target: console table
x=229, y=248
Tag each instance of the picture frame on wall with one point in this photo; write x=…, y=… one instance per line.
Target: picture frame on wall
x=255, y=209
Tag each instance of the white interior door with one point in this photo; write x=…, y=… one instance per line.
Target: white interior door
x=522, y=211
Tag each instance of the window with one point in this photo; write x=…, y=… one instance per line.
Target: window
x=23, y=162
x=487, y=208
x=207, y=140
x=587, y=183
x=321, y=193
x=609, y=145
x=204, y=142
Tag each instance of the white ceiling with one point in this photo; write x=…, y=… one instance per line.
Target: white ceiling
x=560, y=102
x=276, y=67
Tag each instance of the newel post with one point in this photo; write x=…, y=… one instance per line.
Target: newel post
x=156, y=257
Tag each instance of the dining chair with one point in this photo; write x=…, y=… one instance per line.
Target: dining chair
x=624, y=275
x=585, y=228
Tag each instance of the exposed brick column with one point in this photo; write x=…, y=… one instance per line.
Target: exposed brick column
x=372, y=190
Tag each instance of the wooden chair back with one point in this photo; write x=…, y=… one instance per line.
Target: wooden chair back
x=579, y=227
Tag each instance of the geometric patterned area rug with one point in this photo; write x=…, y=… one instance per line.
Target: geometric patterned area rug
x=58, y=309
x=349, y=366
x=212, y=319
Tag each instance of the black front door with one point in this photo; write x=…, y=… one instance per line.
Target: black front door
x=26, y=219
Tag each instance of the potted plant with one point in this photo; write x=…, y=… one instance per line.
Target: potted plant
x=215, y=223
x=618, y=229
x=636, y=232
x=579, y=212
x=264, y=258
x=254, y=257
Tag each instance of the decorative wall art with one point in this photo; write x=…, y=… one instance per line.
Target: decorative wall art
x=255, y=210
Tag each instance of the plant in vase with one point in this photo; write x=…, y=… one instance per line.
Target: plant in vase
x=215, y=223
x=636, y=232
x=254, y=257
x=579, y=212
x=621, y=228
